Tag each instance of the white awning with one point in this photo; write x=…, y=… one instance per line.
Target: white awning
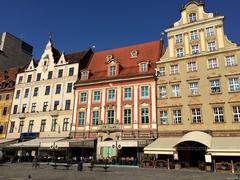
x=5, y=142
x=39, y=142
x=163, y=145
x=225, y=146
x=121, y=143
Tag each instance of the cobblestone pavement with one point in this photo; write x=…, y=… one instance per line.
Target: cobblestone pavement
x=46, y=172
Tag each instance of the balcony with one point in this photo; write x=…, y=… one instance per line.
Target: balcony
x=109, y=127
x=54, y=113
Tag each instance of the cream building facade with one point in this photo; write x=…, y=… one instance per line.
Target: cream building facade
x=198, y=89
x=44, y=96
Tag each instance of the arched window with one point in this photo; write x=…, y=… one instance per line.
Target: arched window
x=192, y=17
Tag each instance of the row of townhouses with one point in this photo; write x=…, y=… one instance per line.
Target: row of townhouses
x=181, y=102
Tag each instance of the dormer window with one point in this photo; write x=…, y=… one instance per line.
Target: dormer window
x=84, y=75
x=112, y=70
x=134, y=54
x=109, y=57
x=192, y=17
x=143, y=67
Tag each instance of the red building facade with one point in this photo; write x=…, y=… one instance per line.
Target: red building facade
x=115, y=100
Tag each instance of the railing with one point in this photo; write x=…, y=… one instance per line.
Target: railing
x=109, y=127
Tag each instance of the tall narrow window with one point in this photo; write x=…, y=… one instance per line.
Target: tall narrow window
x=45, y=106
x=4, y=113
x=50, y=73
x=54, y=125
x=12, y=126
x=15, y=107
x=43, y=124
x=144, y=92
x=144, y=115
x=194, y=35
x=26, y=93
x=162, y=91
x=95, y=118
x=55, y=106
x=179, y=38
x=96, y=96
x=47, y=90
x=29, y=78
x=210, y=31
x=192, y=17
x=30, y=126
x=71, y=71
x=24, y=107
x=196, y=115
x=112, y=70
x=69, y=87
x=163, y=117
x=67, y=104
x=143, y=67
x=127, y=116
x=236, y=113
x=65, y=124
x=111, y=95
x=110, y=116
x=233, y=84
x=60, y=73
x=58, y=89
x=38, y=77
x=218, y=114
x=20, y=79
x=193, y=88
x=83, y=97
x=20, y=128
x=230, y=61
x=81, y=117
x=177, y=117
x=35, y=92
x=175, y=90
x=17, y=94
x=33, y=108
x=127, y=93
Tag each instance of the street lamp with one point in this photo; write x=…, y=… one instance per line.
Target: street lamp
x=54, y=147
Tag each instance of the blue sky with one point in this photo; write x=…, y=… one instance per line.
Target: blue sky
x=78, y=24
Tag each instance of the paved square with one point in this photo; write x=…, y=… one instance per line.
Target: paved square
x=46, y=172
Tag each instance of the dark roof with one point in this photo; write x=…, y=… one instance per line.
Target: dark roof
x=197, y=2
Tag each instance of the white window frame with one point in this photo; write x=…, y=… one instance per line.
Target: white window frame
x=110, y=116
x=177, y=116
x=236, y=113
x=81, y=118
x=212, y=46
x=174, y=69
x=111, y=95
x=144, y=91
x=112, y=70
x=233, y=84
x=83, y=97
x=145, y=115
x=195, y=49
x=127, y=116
x=196, y=115
x=176, y=90
x=162, y=91
x=179, y=52
x=230, y=61
x=212, y=63
x=218, y=114
x=210, y=31
x=215, y=85
x=162, y=71
x=192, y=66
x=143, y=67
x=192, y=17
x=96, y=96
x=179, y=38
x=193, y=88
x=194, y=35
x=127, y=95
x=163, y=116
x=95, y=117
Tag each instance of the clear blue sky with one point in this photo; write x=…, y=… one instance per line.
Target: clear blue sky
x=77, y=24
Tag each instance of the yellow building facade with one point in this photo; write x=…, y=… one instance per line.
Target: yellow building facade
x=198, y=89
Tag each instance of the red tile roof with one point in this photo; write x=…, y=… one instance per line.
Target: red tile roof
x=129, y=67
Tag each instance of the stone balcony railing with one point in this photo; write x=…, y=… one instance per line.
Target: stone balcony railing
x=109, y=127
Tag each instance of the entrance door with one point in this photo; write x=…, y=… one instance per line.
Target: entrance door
x=191, y=153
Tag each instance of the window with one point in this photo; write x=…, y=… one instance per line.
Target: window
x=38, y=77
x=35, y=92
x=45, y=106
x=196, y=115
x=236, y=113
x=71, y=71
x=174, y=69
x=95, y=118
x=84, y=75
x=127, y=93
x=192, y=17
x=4, y=113
x=54, y=125
x=144, y=92
x=194, y=35
x=230, y=61
x=30, y=126
x=218, y=114
x=211, y=46
x=127, y=116
x=111, y=95
x=33, y=108
x=193, y=88
x=17, y=94
x=179, y=52
x=96, y=96
x=177, y=117
x=67, y=104
x=7, y=96
x=144, y=115
x=15, y=107
x=29, y=78
x=163, y=117
x=192, y=66
x=43, y=124
x=112, y=70
x=50, y=73
x=20, y=128
x=47, y=90
x=65, y=124
x=0, y=97
x=69, y=87
x=195, y=49
x=12, y=125
x=143, y=67
x=162, y=71
x=1, y=129
x=210, y=31
x=55, y=106
x=162, y=91
x=175, y=90
x=134, y=53
x=58, y=89
x=20, y=79
x=179, y=38
x=110, y=116
x=60, y=73
x=215, y=86
x=83, y=97
x=81, y=116
x=24, y=107
x=212, y=63
x=233, y=84
x=26, y=93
